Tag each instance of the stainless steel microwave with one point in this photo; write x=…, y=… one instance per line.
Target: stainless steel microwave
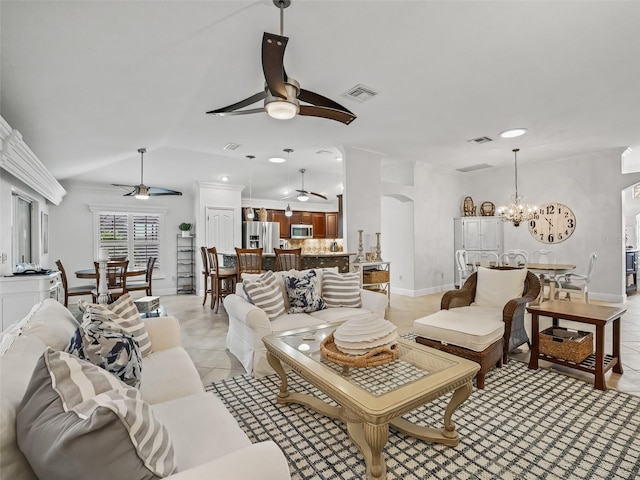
x=301, y=231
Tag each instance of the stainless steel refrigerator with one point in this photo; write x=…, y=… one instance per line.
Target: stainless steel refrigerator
x=265, y=235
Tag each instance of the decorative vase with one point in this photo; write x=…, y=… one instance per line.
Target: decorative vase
x=360, y=257
x=186, y=233
x=378, y=248
x=262, y=214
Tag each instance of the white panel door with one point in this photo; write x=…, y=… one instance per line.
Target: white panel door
x=220, y=229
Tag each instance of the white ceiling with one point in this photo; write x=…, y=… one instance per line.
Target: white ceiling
x=88, y=83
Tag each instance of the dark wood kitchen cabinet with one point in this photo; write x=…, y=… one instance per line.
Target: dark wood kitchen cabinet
x=283, y=220
x=331, y=225
x=319, y=223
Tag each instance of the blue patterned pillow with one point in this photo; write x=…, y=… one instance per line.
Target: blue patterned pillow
x=105, y=344
x=303, y=293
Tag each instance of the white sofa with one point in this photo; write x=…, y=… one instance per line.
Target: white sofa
x=207, y=440
x=248, y=324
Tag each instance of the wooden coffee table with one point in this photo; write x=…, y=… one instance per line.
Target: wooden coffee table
x=598, y=315
x=372, y=399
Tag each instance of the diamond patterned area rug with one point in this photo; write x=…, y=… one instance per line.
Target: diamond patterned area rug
x=526, y=424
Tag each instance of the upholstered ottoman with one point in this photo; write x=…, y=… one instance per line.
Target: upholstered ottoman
x=471, y=332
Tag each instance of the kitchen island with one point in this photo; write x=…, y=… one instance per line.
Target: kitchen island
x=309, y=260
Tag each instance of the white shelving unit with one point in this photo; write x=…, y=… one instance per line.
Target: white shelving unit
x=185, y=271
x=375, y=276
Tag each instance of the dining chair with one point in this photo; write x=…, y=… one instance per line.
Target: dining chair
x=517, y=251
x=546, y=278
x=511, y=259
x=205, y=273
x=465, y=269
x=116, y=280
x=569, y=283
x=249, y=260
x=223, y=279
x=76, y=290
x=487, y=259
x=288, y=259
x=148, y=277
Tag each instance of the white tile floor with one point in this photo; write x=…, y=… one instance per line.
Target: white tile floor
x=204, y=335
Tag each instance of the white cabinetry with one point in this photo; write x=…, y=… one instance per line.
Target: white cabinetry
x=476, y=234
x=18, y=294
x=479, y=233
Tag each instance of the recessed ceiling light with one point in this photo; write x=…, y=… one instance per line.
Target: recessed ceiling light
x=224, y=178
x=338, y=159
x=514, y=132
x=277, y=160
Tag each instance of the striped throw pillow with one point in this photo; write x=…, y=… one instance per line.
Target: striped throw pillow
x=74, y=407
x=341, y=289
x=125, y=313
x=266, y=294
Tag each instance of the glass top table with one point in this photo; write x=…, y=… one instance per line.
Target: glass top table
x=372, y=399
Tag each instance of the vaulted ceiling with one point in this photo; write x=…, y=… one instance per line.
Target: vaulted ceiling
x=88, y=83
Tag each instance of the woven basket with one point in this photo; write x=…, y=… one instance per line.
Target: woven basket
x=557, y=342
x=375, y=276
x=373, y=358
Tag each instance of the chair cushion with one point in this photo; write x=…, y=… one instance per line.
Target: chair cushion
x=266, y=294
x=105, y=344
x=496, y=287
x=303, y=293
x=475, y=328
x=78, y=421
x=341, y=289
x=125, y=313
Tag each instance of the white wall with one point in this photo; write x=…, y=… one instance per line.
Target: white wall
x=591, y=186
x=71, y=227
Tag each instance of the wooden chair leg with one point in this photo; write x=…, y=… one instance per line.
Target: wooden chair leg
x=206, y=285
x=218, y=294
x=480, y=381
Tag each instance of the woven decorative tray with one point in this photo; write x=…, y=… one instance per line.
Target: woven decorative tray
x=373, y=358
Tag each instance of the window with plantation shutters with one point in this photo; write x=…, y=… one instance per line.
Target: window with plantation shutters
x=132, y=235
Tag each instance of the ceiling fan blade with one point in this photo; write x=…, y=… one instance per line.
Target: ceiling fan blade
x=325, y=112
x=302, y=191
x=273, y=63
x=321, y=101
x=241, y=112
x=123, y=186
x=231, y=109
x=318, y=195
x=157, y=191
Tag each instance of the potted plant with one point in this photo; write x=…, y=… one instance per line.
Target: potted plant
x=185, y=228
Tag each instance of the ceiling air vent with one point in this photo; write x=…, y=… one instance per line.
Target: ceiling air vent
x=471, y=168
x=360, y=93
x=480, y=140
x=231, y=146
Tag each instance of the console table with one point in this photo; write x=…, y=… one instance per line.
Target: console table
x=598, y=315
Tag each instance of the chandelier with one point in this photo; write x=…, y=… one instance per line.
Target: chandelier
x=517, y=211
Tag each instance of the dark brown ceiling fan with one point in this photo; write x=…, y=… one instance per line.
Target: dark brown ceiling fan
x=282, y=94
x=303, y=195
x=142, y=191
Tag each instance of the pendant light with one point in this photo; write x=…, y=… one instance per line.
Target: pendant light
x=288, y=212
x=250, y=212
x=517, y=212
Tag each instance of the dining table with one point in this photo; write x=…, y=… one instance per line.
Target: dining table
x=91, y=272
x=550, y=270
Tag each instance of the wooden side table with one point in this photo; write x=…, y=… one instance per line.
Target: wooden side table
x=598, y=315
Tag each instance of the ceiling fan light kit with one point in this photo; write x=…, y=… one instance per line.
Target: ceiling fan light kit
x=282, y=94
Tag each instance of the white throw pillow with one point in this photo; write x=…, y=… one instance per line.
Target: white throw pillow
x=496, y=287
x=266, y=293
x=341, y=289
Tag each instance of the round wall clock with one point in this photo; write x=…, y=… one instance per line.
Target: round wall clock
x=552, y=223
